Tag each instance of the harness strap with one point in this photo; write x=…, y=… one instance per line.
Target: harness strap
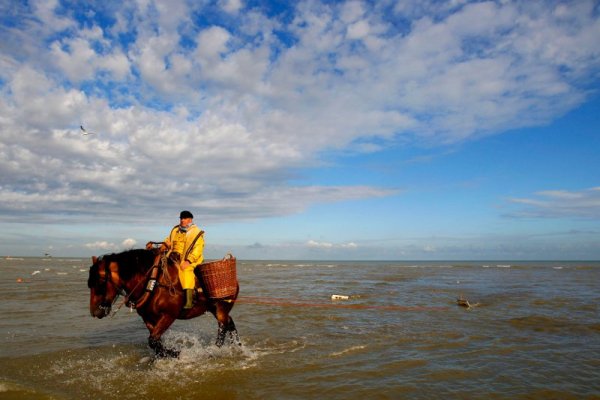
x=150, y=285
x=187, y=253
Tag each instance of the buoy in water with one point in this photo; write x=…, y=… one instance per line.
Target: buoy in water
x=339, y=297
x=19, y=280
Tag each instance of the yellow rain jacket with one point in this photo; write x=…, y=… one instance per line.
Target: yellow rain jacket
x=190, y=246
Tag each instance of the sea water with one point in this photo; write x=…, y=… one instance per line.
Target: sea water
x=533, y=331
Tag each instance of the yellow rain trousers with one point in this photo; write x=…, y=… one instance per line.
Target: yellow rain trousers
x=190, y=246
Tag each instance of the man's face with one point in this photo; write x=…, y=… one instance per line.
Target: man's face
x=185, y=221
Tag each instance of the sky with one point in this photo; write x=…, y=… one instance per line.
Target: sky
x=342, y=130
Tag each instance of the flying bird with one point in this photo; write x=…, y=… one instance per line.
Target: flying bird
x=86, y=132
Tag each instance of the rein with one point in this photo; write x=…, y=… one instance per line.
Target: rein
x=104, y=288
x=151, y=281
x=126, y=297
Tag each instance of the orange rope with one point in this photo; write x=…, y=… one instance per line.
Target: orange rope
x=282, y=302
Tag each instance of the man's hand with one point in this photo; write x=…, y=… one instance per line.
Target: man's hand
x=185, y=264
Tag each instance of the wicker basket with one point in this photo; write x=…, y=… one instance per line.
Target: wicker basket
x=219, y=277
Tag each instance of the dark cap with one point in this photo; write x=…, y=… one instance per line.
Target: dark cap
x=185, y=214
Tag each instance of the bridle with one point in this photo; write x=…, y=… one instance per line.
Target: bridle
x=101, y=287
x=105, y=276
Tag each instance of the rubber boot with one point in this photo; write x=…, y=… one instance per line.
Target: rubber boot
x=189, y=299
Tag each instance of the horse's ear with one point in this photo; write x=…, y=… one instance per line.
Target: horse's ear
x=94, y=259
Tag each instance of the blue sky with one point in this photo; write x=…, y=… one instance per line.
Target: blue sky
x=302, y=130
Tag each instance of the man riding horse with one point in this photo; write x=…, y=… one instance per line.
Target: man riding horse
x=151, y=282
x=186, y=240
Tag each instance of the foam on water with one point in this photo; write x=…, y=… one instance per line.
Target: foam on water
x=351, y=349
x=131, y=371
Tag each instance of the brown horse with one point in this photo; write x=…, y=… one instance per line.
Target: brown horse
x=131, y=273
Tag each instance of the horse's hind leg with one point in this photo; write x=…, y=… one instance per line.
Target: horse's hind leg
x=221, y=333
x=233, y=333
x=226, y=324
x=224, y=329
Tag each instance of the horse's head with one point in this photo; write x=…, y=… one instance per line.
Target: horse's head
x=104, y=286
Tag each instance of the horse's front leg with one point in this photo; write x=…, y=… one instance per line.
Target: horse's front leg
x=156, y=332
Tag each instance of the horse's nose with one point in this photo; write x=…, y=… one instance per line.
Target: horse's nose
x=99, y=312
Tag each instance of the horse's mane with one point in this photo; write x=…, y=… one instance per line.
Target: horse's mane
x=131, y=261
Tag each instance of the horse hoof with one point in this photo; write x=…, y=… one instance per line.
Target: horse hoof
x=167, y=353
x=173, y=353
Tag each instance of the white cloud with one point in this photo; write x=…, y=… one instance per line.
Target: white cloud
x=151, y=58
x=79, y=61
x=129, y=161
x=231, y=6
x=358, y=30
x=327, y=245
x=218, y=116
x=352, y=11
x=429, y=249
x=171, y=15
x=212, y=43
x=320, y=245
x=560, y=204
x=45, y=11
x=129, y=243
x=38, y=103
x=76, y=62
x=101, y=245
